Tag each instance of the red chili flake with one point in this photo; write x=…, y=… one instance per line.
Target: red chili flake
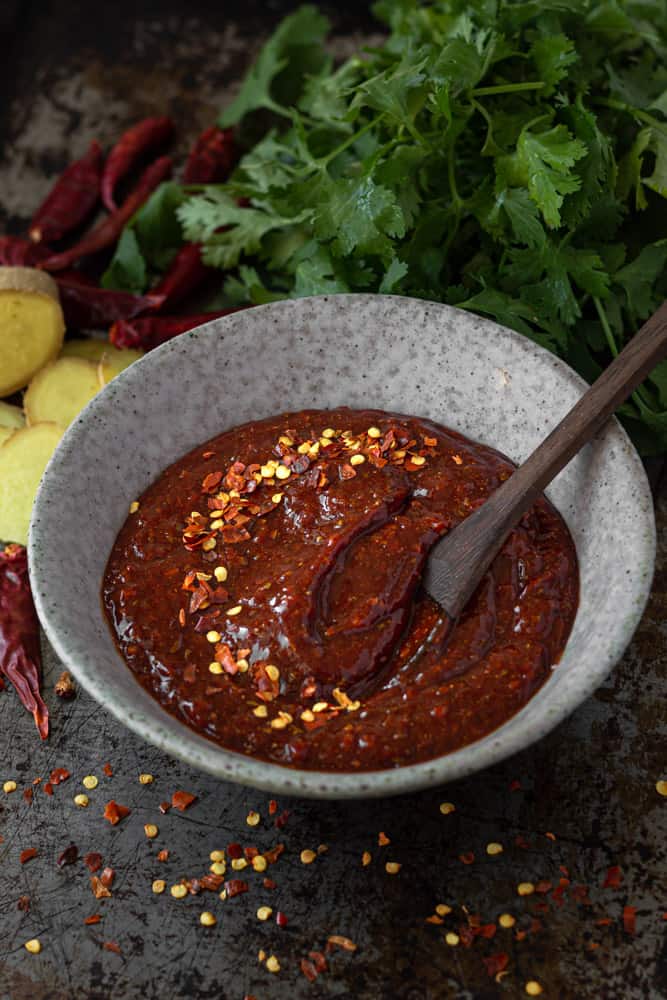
x=541, y=907
x=434, y=919
x=211, y=481
x=308, y=969
x=549, y=835
x=193, y=886
x=108, y=770
x=496, y=963
x=268, y=883
x=100, y=891
x=280, y=821
x=543, y=886
x=613, y=878
x=69, y=856
x=28, y=854
x=629, y=919
x=535, y=926
x=23, y=903
x=93, y=861
x=592, y=945
x=211, y=881
x=107, y=877
x=467, y=935
x=48, y=788
x=94, y=918
x=467, y=858
x=564, y=870
x=580, y=894
x=114, y=812
x=521, y=842
x=273, y=807
x=515, y=786
x=250, y=853
x=163, y=855
x=274, y=853
x=383, y=839
x=235, y=851
x=59, y=775
x=603, y=922
x=487, y=930
x=234, y=887
x=318, y=959
x=520, y=935
x=28, y=795
x=281, y=919
x=164, y=807
x=341, y=942
x=182, y=800
x=112, y=946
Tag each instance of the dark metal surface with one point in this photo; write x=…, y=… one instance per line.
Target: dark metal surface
x=74, y=71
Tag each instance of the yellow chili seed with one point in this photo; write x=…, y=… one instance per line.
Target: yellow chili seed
x=213, y=636
x=178, y=891
x=357, y=459
x=328, y=432
x=252, y=819
x=242, y=665
x=525, y=888
x=447, y=807
x=272, y=964
x=261, y=954
x=215, y=667
x=150, y=830
x=208, y=545
x=452, y=939
x=307, y=715
x=320, y=706
x=90, y=781
x=134, y=507
x=494, y=849
x=9, y=786
x=207, y=919
x=145, y=779
x=34, y=946
x=218, y=867
x=81, y=801
x=159, y=885
x=278, y=723
x=220, y=573
x=218, y=523
x=282, y=472
x=217, y=855
x=442, y=909
x=374, y=432
x=276, y=498
x=308, y=856
x=272, y=672
x=417, y=459
x=260, y=712
x=236, y=610
x=287, y=441
x=304, y=448
x=238, y=864
x=266, y=472
x=264, y=912
x=506, y=920
x=324, y=443
x=533, y=988
x=392, y=867
x=259, y=863
x=661, y=787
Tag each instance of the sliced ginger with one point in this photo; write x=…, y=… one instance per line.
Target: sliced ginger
x=60, y=391
x=23, y=458
x=6, y=433
x=114, y=361
x=89, y=348
x=31, y=325
x=11, y=416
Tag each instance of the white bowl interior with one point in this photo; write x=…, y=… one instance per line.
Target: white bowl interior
x=362, y=351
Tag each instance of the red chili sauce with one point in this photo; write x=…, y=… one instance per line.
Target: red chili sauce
x=267, y=592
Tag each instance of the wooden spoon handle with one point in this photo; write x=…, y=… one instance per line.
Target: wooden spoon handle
x=458, y=562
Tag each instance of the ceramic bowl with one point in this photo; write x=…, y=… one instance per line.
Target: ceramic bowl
x=392, y=353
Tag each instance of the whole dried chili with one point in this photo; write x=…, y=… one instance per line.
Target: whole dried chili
x=212, y=157
x=108, y=231
x=86, y=306
x=186, y=273
x=17, y=252
x=151, y=331
x=139, y=139
x=20, y=659
x=71, y=200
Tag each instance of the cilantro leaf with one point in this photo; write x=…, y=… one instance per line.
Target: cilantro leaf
x=543, y=162
x=127, y=270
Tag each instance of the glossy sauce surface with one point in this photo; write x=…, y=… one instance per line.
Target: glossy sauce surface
x=276, y=608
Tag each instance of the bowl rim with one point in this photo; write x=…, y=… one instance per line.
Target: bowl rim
x=180, y=741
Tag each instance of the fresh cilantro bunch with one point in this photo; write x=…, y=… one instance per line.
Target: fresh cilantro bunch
x=504, y=156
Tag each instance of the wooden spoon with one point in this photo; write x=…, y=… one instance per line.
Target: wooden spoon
x=458, y=561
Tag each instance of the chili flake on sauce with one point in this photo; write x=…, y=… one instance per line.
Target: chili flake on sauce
x=266, y=592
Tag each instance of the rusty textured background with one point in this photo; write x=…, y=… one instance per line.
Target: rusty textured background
x=71, y=71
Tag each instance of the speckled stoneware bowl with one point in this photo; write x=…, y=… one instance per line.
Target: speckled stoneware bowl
x=364, y=351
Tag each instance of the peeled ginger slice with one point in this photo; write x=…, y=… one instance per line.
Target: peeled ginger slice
x=23, y=458
x=60, y=391
x=11, y=416
x=31, y=325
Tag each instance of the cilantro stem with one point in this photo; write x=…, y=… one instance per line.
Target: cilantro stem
x=506, y=88
x=326, y=160
x=643, y=116
x=611, y=341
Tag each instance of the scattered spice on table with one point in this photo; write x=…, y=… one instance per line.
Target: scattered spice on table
x=114, y=812
x=20, y=658
x=64, y=686
x=28, y=854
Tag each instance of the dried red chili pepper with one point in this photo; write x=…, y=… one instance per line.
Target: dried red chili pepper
x=20, y=659
x=140, y=138
x=87, y=307
x=186, y=273
x=58, y=775
x=212, y=157
x=17, y=252
x=151, y=331
x=108, y=770
x=71, y=200
x=107, y=232
x=112, y=946
x=308, y=969
x=28, y=795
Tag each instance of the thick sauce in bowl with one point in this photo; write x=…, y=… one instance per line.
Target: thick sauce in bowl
x=266, y=590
